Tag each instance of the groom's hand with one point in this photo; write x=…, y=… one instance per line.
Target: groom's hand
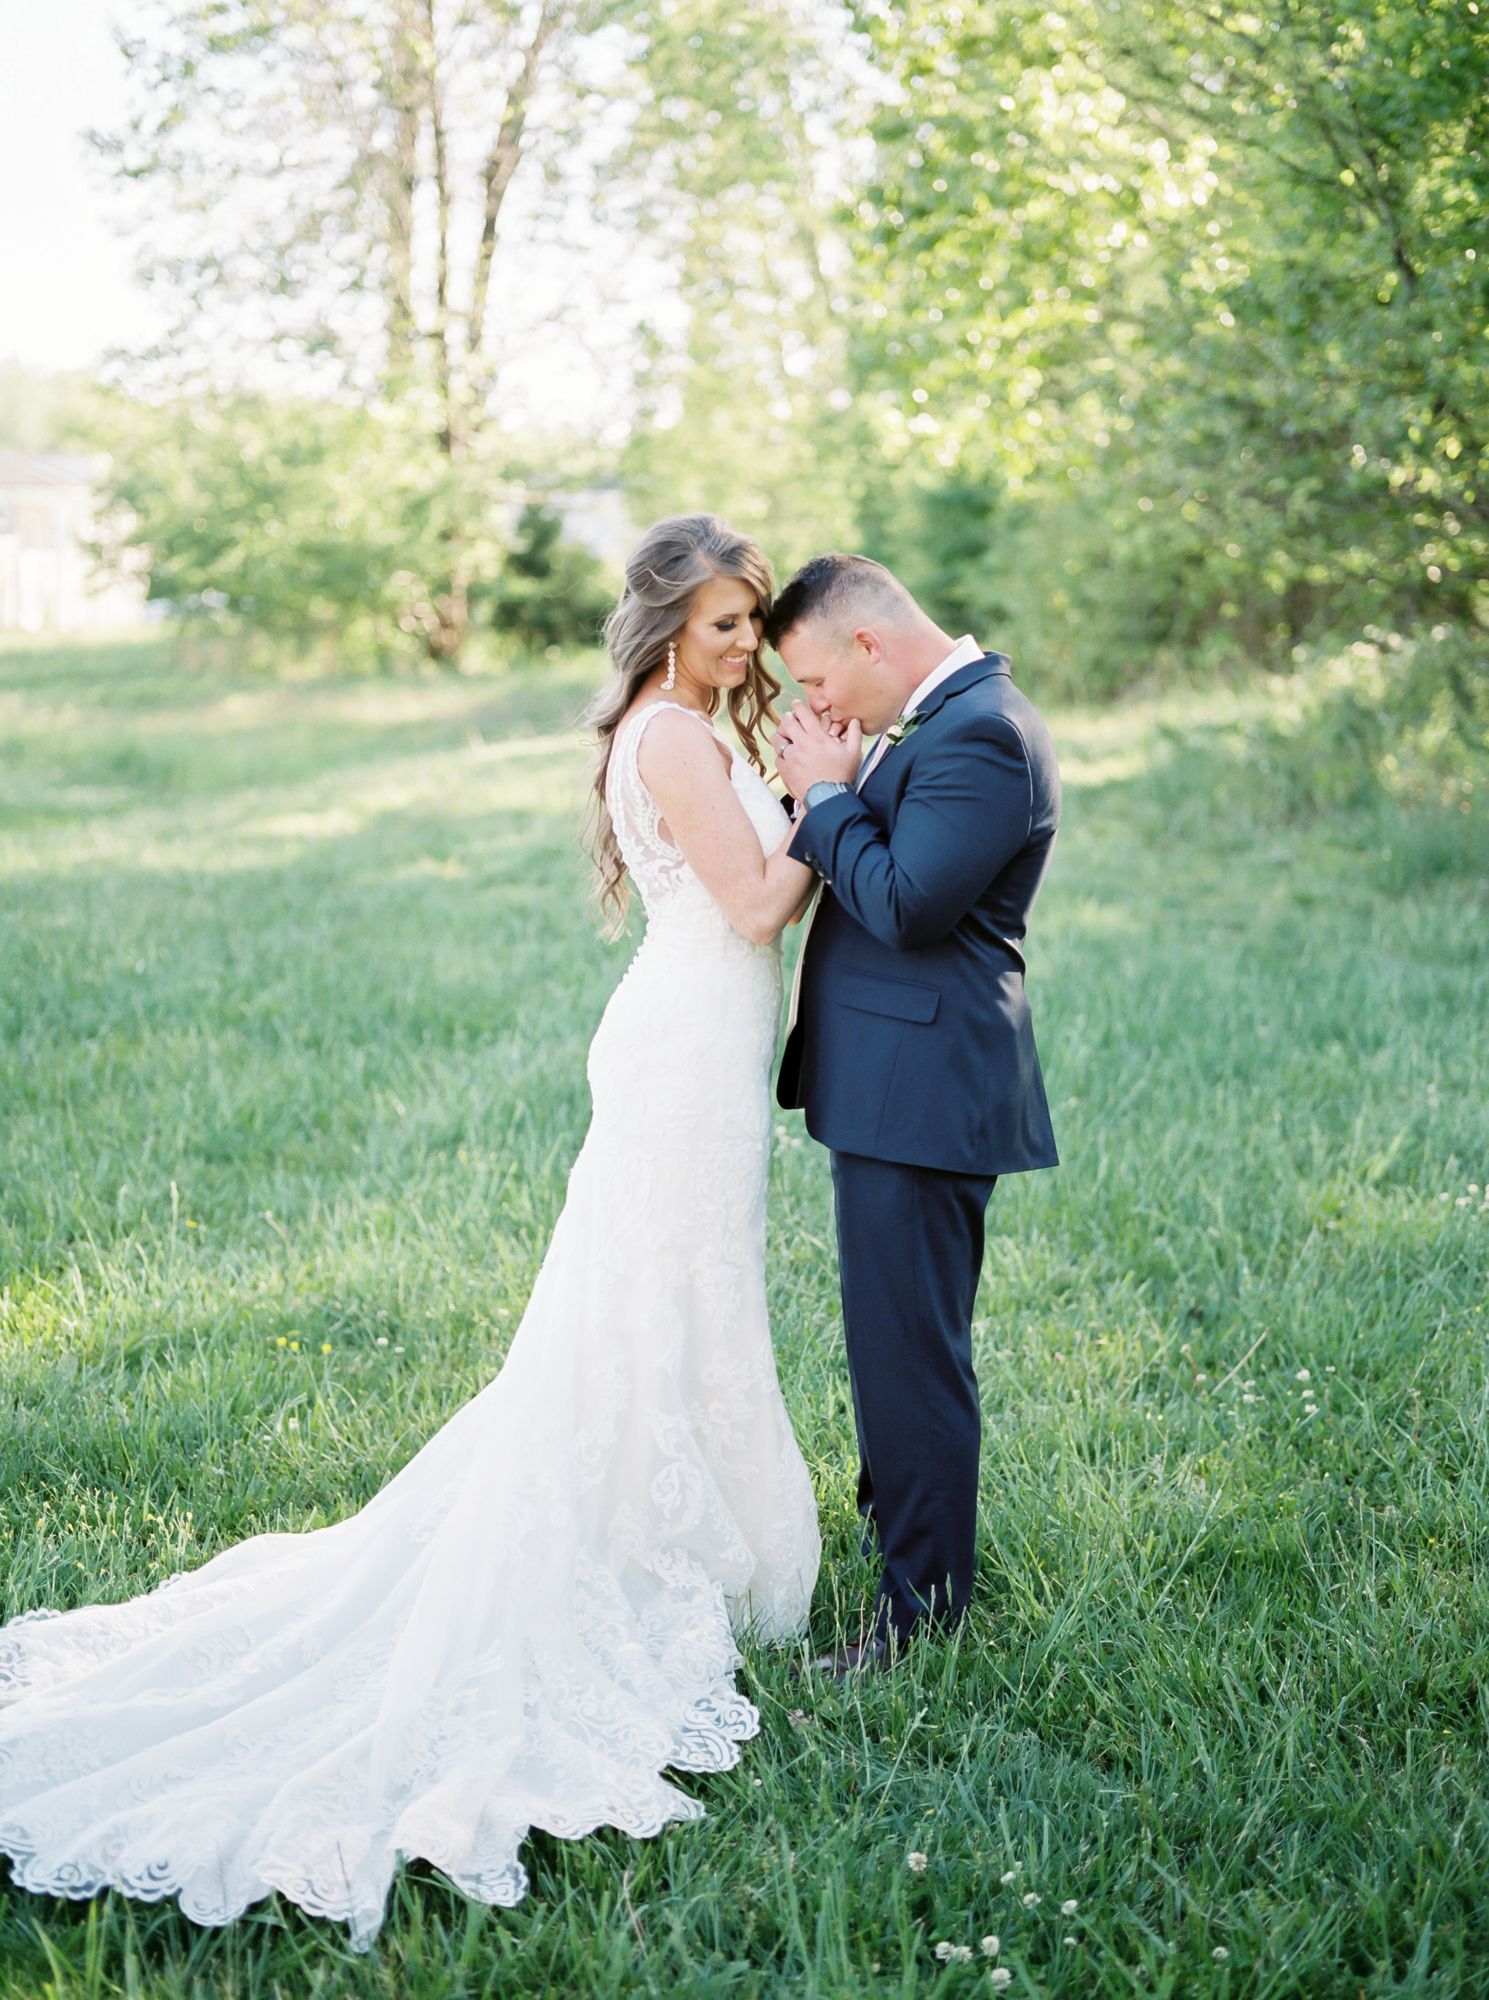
x=809, y=750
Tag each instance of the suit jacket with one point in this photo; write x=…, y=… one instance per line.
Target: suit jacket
x=913, y=1040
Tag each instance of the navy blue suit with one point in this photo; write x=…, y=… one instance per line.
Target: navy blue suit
x=913, y=1056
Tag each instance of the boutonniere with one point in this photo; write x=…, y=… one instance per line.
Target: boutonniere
x=898, y=731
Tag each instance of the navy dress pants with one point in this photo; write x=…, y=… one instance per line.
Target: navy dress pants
x=910, y=1243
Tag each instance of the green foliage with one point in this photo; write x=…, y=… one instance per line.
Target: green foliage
x=948, y=541
x=1080, y=609
x=319, y=524
x=304, y=526
x=1210, y=290
x=549, y=592
x=747, y=416
x=1144, y=338
x=1386, y=718
x=328, y=184
x=293, y=1014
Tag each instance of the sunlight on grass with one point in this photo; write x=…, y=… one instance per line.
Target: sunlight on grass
x=296, y=994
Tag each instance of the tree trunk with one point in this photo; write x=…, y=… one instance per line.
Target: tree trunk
x=446, y=632
x=401, y=181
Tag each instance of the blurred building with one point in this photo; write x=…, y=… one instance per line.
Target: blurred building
x=596, y=518
x=50, y=579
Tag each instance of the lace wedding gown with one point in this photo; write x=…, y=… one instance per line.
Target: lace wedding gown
x=534, y=1618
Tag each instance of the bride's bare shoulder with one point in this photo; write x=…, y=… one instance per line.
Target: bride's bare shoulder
x=676, y=741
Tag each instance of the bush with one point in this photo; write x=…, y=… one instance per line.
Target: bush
x=548, y=592
x=1406, y=719
x=330, y=528
x=315, y=525
x=1088, y=595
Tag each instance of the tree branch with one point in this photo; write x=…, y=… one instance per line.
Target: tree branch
x=449, y=432
x=500, y=165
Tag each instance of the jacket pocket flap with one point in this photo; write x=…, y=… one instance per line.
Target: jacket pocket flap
x=895, y=997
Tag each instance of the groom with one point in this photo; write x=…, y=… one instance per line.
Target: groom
x=910, y=1044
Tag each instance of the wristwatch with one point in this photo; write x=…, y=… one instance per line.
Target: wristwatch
x=825, y=788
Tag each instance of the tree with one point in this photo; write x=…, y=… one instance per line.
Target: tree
x=729, y=170
x=340, y=175
x=1202, y=292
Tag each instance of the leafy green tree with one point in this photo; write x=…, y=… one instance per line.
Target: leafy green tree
x=729, y=174
x=1202, y=295
x=336, y=176
x=314, y=522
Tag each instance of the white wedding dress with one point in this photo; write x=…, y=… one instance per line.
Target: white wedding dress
x=536, y=1617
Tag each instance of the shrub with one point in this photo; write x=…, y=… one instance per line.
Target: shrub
x=548, y=591
x=1403, y=718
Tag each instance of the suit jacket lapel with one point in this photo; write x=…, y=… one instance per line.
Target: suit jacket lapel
x=963, y=678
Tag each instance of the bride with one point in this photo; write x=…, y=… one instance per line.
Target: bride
x=536, y=1617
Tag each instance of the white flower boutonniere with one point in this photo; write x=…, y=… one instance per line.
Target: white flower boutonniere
x=898, y=731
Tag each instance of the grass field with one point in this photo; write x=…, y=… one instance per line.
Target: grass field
x=296, y=983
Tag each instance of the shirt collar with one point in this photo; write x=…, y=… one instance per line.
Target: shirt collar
x=965, y=651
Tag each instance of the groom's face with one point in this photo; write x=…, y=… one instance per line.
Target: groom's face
x=845, y=677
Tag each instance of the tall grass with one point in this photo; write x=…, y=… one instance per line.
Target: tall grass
x=295, y=992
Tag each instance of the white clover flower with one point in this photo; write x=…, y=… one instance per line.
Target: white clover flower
x=1220, y=1954
x=1071, y=1940
x=1248, y=1399
x=1031, y=1901
x=1001, y=1976
x=382, y=1340
x=1008, y=1876
x=1302, y=1376
x=991, y=1946
x=1069, y=1909
x=961, y=1954
x=943, y=1950
x=917, y=1863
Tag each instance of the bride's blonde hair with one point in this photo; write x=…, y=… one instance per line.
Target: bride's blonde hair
x=666, y=570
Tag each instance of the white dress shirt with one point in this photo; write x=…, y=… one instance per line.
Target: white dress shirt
x=962, y=654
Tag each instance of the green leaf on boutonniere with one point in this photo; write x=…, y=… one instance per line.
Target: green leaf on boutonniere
x=898, y=731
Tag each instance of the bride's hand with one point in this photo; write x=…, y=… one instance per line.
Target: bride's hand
x=810, y=750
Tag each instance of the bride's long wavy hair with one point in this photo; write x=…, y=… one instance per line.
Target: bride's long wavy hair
x=666, y=570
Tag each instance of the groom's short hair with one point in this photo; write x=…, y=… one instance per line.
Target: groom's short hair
x=846, y=591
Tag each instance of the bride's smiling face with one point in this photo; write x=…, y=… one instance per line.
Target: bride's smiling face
x=723, y=631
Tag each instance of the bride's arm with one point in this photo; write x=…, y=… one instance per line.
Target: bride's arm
x=686, y=770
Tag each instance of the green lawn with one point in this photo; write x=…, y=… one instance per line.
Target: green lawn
x=296, y=984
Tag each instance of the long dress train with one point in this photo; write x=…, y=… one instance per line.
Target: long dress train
x=536, y=1617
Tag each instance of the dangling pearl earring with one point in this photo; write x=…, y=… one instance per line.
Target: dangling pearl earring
x=671, y=681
